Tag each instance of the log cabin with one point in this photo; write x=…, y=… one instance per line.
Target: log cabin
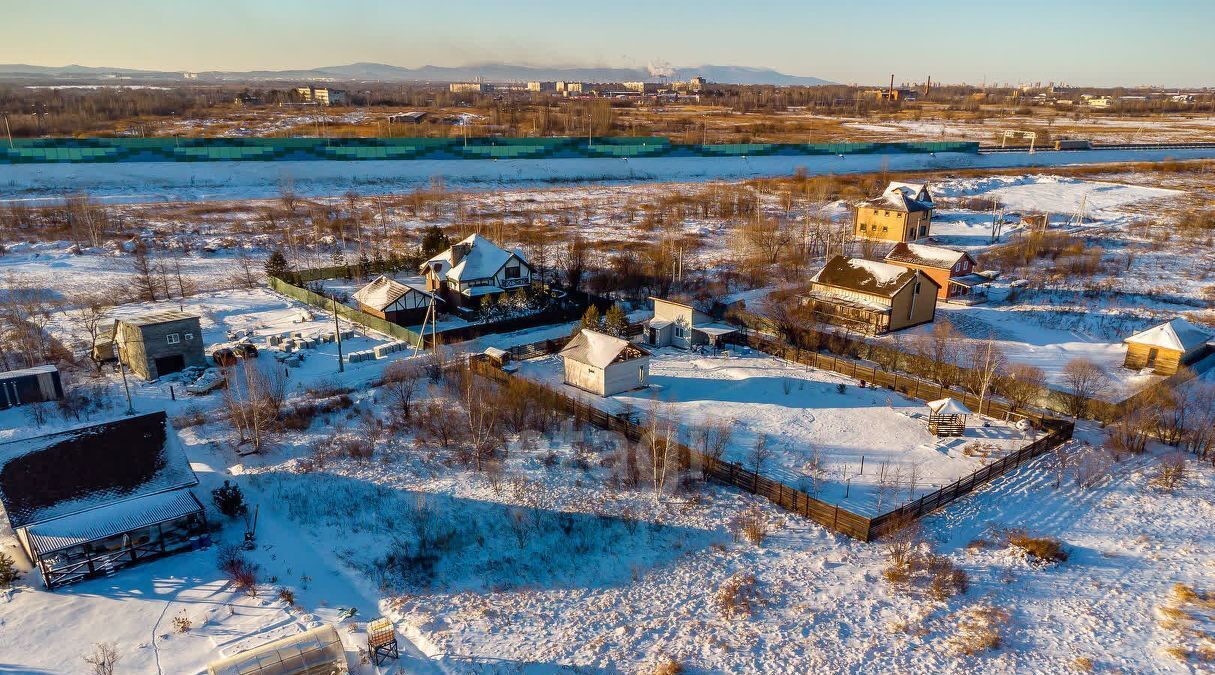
x=1167, y=347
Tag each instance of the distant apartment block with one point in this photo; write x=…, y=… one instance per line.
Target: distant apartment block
x=321, y=96
x=541, y=86
x=470, y=88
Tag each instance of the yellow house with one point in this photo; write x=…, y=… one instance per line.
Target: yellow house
x=1167, y=347
x=902, y=213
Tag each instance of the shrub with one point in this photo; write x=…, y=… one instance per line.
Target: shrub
x=182, y=623
x=229, y=500
x=8, y=571
x=103, y=659
x=737, y=596
x=1083, y=664
x=287, y=596
x=750, y=526
x=1044, y=549
x=668, y=666
x=980, y=627
x=237, y=568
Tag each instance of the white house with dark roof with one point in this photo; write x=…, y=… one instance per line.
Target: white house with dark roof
x=870, y=296
x=473, y=268
x=401, y=303
x=604, y=364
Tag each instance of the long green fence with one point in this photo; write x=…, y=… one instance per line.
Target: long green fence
x=349, y=313
x=87, y=150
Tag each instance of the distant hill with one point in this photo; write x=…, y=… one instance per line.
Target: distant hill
x=379, y=72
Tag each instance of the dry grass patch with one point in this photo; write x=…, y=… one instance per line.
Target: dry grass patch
x=1189, y=616
x=1042, y=549
x=667, y=667
x=738, y=596
x=980, y=628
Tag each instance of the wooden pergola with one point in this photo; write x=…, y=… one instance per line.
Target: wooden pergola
x=947, y=417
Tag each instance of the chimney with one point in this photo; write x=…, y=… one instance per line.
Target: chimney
x=458, y=251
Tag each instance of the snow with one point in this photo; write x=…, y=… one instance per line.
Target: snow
x=111, y=519
x=594, y=348
x=948, y=406
x=882, y=273
x=1178, y=334
x=483, y=260
x=190, y=181
x=934, y=256
x=801, y=410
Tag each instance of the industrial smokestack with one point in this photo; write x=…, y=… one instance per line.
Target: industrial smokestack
x=891, y=90
x=928, y=87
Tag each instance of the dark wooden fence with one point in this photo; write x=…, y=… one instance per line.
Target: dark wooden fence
x=792, y=499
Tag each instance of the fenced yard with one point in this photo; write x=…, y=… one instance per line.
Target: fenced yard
x=861, y=519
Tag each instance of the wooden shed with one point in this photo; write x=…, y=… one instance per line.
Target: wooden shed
x=1167, y=347
x=604, y=364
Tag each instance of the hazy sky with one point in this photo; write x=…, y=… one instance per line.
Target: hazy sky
x=1097, y=42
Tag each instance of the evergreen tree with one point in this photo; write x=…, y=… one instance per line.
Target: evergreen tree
x=434, y=242
x=229, y=500
x=276, y=265
x=8, y=571
x=591, y=319
x=615, y=322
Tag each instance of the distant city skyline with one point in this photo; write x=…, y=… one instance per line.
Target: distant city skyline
x=1080, y=42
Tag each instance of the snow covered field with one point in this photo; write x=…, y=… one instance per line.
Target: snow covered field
x=193, y=181
x=873, y=444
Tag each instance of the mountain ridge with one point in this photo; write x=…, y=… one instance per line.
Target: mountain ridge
x=489, y=71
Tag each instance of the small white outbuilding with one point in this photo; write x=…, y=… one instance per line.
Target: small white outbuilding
x=604, y=364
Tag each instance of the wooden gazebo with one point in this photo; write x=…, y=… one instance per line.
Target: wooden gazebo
x=947, y=417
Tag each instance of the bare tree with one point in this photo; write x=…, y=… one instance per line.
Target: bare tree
x=144, y=280
x=1199, y=437
x=1085, y=381
x=713, y=437
x=573, y=261
x=91, y=317
x=400, y=383
x=103, y=659
x=254, y=400
x=658, y=446
x=758, y=455
x=985, y=361
x=1022, y=385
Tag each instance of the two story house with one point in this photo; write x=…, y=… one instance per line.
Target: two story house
x=474, y=268
x=872, y=297
x=954, y=271
x=676, y=324
x=902, y=213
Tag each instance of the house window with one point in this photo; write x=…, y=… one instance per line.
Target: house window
x=679, y=331
x=173, y=338
x=862, y=227
x=512, y=272
x=189, y=337
x=885, y=229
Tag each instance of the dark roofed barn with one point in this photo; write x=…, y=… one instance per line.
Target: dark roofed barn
x=87, y=501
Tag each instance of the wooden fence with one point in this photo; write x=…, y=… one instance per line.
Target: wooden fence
x=792, y=499
x=345, y=311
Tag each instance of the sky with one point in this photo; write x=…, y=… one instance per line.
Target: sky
x=1080, y=42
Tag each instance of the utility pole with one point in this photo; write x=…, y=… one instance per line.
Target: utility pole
x=337, y=332
x=8, y=130
x=122, y=368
